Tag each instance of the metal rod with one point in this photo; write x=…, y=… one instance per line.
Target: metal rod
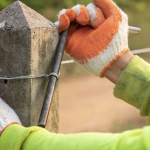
x=139, y=51
x=134, y=30
x=67, y=62
x=52, y=79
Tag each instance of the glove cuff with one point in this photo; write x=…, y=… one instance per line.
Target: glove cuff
x=7, y=126
x=116, y=57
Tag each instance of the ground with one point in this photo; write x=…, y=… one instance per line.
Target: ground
x=87, y=104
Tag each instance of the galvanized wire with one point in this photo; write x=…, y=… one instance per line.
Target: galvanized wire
x=25, y=77
x=146, y=50
x=140, y=51
x=30, y=77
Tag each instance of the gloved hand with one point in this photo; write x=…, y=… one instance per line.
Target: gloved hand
x=7, y=115
x=96, y=46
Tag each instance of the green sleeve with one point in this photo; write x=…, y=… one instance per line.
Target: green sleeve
x=16, y=137
x=133, y=85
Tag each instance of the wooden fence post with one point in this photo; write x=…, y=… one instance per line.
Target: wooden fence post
x=27, y=47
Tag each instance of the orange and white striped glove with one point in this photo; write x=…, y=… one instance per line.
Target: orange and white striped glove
x=96, y=46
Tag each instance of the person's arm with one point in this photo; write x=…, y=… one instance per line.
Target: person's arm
x=131, y=74
x=118, y=67
x=16, y=137
x=133, y=85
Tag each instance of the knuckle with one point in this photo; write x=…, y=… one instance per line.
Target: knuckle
x=61, y=13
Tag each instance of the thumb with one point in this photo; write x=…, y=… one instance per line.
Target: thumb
x=108, y=7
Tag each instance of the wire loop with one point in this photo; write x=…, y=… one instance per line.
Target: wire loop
x=55, y=74
x=31, y=76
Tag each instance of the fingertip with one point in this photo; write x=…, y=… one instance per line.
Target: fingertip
x=96, y=15
x=64, y=23
x=71, y=14
x=82, y=15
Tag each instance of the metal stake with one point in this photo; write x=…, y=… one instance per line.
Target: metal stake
x=53, y=79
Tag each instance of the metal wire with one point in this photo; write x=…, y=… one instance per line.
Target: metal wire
x=134, y=30
x=25, y=77
x=30, y=77
x=140, y=51
x=146, y=50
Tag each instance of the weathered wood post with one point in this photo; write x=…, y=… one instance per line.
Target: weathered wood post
x=27, y=47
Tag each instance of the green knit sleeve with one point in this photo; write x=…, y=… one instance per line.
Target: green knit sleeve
x=133, y=85
x=16, y=137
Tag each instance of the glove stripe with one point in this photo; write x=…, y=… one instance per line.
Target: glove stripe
x=76, y=9
x=7, y=127
x=109, y=65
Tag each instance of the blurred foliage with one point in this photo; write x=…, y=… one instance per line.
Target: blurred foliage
x=118, y=127
x=137, y=11
x=4, y=3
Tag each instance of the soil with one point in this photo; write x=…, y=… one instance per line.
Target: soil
x=87, y=104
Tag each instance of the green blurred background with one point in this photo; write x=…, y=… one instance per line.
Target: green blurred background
x=137, y=10
x=81, y=105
